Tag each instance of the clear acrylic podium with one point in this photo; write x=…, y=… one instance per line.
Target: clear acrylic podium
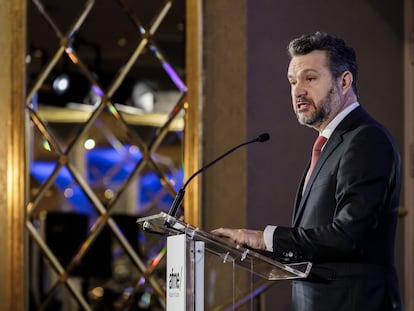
x=189, y=247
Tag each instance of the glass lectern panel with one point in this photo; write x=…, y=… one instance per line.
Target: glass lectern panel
x=227, y=251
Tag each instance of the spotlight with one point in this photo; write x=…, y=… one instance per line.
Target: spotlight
x=61, y=84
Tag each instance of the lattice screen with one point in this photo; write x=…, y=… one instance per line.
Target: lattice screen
x=105, y=149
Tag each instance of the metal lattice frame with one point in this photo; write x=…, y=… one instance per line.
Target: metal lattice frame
x=64, y=156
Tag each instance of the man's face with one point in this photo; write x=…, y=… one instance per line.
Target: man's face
x=315, y=94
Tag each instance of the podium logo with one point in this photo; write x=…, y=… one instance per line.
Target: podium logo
x=175, y=279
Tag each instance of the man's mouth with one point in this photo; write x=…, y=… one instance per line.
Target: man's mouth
x=302, y=106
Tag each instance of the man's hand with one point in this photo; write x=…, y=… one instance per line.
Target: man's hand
x=244, y=237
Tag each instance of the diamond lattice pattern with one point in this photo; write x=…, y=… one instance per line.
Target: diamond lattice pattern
x=105, y=104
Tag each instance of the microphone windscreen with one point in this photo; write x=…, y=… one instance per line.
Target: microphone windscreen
x=263, y=137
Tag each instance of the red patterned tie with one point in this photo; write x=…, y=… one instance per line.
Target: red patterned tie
x=316, y=151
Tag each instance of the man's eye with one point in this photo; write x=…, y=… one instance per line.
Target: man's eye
x=292, y=82
x=310, y=78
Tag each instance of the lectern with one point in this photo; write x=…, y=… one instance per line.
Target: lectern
x=187, y=250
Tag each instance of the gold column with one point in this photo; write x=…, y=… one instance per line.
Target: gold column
x=192, y=132
x=216, y=111
x=12, y=154
x=223, y=116
x=216, y=73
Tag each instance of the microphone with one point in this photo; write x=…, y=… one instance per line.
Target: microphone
x=179, y=197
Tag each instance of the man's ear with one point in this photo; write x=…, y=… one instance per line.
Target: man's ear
x=346, y=80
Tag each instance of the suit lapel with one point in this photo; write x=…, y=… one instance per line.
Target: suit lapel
x=302, y=196
x=299, y=195
x=333, y=142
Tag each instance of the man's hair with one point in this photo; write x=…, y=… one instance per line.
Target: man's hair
x=341, y=57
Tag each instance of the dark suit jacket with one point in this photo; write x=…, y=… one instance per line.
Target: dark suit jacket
x=344, y=222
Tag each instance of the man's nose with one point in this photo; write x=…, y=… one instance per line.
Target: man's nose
x=299, y=90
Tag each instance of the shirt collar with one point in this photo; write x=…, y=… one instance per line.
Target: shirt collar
x=328, y=130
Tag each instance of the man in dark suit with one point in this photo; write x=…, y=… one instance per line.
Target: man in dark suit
x=345, y=214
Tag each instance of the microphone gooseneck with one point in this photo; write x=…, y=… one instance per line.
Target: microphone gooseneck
x=180, y=195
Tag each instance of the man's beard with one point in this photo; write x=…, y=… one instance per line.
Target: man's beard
x=321, y=112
